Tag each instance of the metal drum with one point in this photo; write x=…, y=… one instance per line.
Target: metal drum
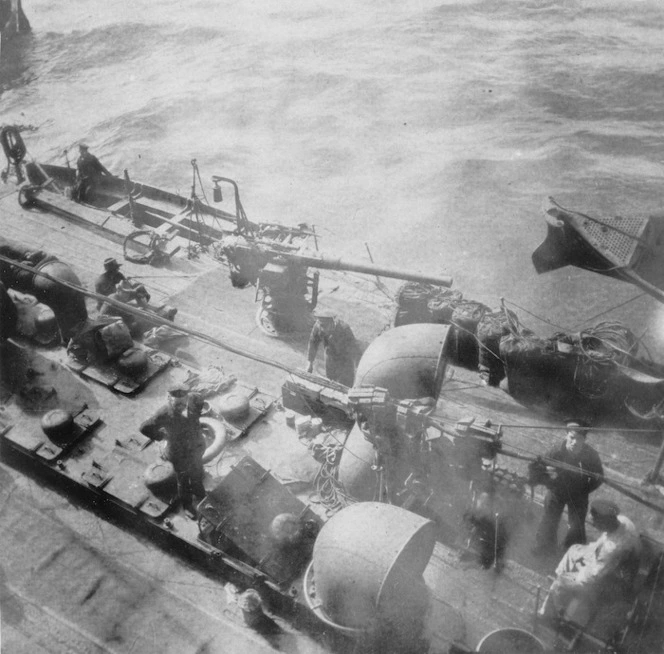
x=368, y=562
x=408, y=361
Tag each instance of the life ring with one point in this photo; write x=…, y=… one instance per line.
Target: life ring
x=142, y=259
x=12, y=144
x=214, y=433
x=218, y=430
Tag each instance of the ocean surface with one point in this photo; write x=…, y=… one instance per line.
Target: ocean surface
x=431, y=131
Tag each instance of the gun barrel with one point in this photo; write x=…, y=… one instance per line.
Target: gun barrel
x=331, y=263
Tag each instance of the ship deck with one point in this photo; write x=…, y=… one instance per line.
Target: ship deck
x=75, y=581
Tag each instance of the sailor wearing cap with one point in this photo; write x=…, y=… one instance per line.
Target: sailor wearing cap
x=135, y=295
x=109, y=279
x=88, y=171
x=569, y=486
x=340, y=346
x=169, y=418
x=602, y=567
x=178, y=424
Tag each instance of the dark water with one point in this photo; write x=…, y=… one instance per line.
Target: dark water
x=432, y=131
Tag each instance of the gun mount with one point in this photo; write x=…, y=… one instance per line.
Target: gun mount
x=153, y=224
x=287, y=291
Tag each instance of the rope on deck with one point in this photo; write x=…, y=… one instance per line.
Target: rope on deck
x=204, y=338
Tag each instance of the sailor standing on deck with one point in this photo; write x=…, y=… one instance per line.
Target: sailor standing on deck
x=178, y=423
x=340, y=345
x=569, y=486
x=88, y=171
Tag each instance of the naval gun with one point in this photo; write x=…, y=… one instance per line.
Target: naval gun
x=286, y=289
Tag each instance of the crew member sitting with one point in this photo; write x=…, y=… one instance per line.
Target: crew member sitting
x=598, y=569
x=88, y=171
x=106, y=282
x=136, y=296
x=341, y=348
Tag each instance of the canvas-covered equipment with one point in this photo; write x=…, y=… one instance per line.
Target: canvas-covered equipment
x=570, y=370
x=421, y=302
x=67, y=304
x=367, y=565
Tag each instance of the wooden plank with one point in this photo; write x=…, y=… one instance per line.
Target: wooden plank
x=120, y=204
x=70, y=209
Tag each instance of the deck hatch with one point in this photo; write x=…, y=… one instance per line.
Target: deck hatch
x=242, y=508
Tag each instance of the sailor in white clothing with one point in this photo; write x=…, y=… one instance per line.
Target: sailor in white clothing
x=587, y=571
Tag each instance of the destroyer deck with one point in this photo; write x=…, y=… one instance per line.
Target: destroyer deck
x=472, y=600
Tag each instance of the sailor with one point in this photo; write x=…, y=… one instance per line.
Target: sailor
x=604, y=568
x=178, y=424
x=88, y=171
x=106, y=282
x=340, y=346
x=127, y=293
x=189, y=467
x=9, y=318
x=569, y=486
x=488, y=535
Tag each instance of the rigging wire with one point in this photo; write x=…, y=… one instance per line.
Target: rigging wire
x=544, y=320
x=651, y=597
x=155, y=319
x=432, y=421
x=609, y=310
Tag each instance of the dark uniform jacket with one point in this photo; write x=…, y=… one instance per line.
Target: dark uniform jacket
x=185, y=443
x=574, y=483
x=341, y=351
x=106, y=282
x=89, y=167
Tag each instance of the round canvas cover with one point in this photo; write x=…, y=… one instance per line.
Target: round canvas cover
x=368, y=562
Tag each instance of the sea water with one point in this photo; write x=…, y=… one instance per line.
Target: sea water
x=429, y=131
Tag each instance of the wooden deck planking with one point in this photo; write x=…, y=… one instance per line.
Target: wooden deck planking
x=209, y=303
x=85, y=251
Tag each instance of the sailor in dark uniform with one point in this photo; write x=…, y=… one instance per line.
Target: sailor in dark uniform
x=178, y=423
x=106, y=282
x=569, y=486
x=340, y=346
x=88, y=171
